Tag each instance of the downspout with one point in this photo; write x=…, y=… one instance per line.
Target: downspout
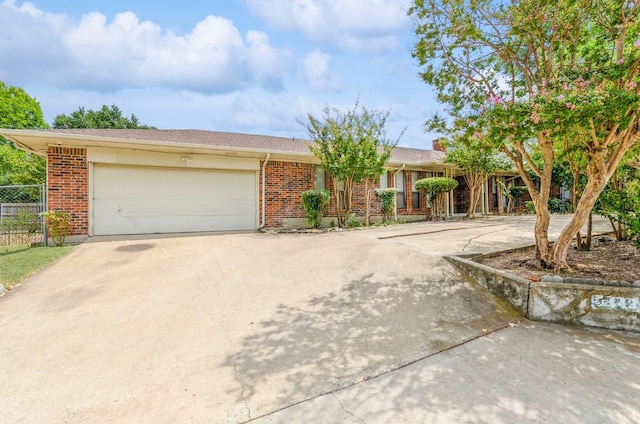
x=264, y=192
x=395, y=203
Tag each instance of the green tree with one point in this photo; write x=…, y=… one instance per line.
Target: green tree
x=477, y=159
x=435, y=188
x=18, y=167
x=18, y=110
x=528, y=72
x=106, y=117
x=353, y=147
x=620, y=200
x=512, y=192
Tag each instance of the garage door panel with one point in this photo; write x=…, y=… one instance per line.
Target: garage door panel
x=139, y=200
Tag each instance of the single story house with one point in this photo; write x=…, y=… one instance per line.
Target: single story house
x=131, y=181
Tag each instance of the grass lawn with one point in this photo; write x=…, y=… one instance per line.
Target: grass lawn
x=18, y=263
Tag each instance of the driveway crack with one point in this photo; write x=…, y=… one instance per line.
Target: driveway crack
x=477, y=237
x=237, y=378
x=347, y=411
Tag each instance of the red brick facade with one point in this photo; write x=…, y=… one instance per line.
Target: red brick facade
x=68, y=185
x=68, y=190
x=284, y=183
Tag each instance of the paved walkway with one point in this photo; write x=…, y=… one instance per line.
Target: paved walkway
x=529, y=373
x=369, y=325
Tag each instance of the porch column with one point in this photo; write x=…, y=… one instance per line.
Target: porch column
x=499, y=192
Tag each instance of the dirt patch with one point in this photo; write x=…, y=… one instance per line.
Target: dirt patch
x=607, y=260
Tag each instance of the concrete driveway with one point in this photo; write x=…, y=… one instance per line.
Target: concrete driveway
x=227, y=328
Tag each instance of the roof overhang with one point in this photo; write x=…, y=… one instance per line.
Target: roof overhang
x=39, y=141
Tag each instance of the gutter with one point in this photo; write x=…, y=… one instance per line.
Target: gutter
x=395, y=203
x=264, y=192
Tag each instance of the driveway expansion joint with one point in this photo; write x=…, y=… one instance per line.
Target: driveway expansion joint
x=400, y=367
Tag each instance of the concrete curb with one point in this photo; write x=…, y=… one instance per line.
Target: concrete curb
x=566, y=302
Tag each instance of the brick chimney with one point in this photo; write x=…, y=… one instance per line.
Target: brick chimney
x=437, y=145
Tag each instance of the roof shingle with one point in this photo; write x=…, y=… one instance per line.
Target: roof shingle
x=237, y=140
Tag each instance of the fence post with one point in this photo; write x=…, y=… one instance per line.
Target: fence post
x=43, y=208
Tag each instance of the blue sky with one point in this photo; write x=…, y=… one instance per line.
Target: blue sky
x=249, y=66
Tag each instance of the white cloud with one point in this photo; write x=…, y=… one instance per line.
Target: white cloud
x=315, y=69
x=274, y=115
x=368, y=25
x=96, y=54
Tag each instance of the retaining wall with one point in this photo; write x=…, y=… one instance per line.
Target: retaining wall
x=605, y=306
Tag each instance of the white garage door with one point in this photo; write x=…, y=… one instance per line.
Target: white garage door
x=141, y=200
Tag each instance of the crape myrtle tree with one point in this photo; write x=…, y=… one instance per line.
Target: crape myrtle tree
x=18, y=110
x=477, y=159
x=523, y=74
x=435, y=189
x=353, y=148
x=106, y=117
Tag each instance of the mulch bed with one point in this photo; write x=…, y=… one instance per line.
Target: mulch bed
x=607, y=260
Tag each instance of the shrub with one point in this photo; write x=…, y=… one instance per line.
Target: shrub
x=19, y=229
x=315, y=204
x=58, y=225
x=555, y=206
x=513, y=192
x=353, y=221
x=530, y=207
x=387, y=198
x=435, y=188
x=516, y=192
x=622, y=207
x=28, y=222
x=559, y=206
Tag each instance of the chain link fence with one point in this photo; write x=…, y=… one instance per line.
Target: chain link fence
x=21, y=221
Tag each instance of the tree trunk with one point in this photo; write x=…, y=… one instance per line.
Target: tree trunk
x=541, y=232
x=474, y=197
x=440, y=206
x=340, y=203
x=471, y=210
x=367, y=210
x=539, y=196
x=575, y=173
x=348, y=193
x=474, y=182
x=589, y=231
x=500, y=199
x=597, y=179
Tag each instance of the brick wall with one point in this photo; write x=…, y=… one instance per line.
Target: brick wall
x=68, y=185
x=358, y=200
x=284, y=183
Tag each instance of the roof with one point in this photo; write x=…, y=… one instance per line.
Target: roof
x=200, y=139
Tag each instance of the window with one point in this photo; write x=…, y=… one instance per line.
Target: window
x=384, y=180
x=319, y=178
x=399, y=182
x=415, y=195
